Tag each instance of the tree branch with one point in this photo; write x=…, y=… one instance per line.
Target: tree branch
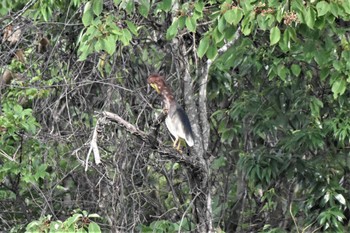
x=202, y=101
x=165, y=151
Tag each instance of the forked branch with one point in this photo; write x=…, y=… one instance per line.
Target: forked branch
x=167, y=152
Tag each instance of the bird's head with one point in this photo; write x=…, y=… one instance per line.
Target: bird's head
x=157, y=82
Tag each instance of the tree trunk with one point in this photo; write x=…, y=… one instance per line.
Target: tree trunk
x=199, y=172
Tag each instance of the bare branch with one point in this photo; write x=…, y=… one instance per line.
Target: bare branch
x=128, y=126
x=165, y=151
x=202, y=102
x=21, y=12
x=94, y=147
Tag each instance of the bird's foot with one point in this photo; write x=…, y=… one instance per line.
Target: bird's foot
x=177, y=145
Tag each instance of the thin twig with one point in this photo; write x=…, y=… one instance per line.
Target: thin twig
x=189, y=206
x=3, y=153
x=21, y=12
x=294, y=220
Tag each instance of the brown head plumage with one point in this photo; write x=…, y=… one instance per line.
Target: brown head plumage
x=158, y=83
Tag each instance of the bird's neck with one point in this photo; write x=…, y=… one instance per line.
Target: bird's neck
x=168, y=97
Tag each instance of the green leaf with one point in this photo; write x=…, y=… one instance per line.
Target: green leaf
x=97, y=6
x=72, y=220
x=296, y=69
x=41, y=172
x=282, y=72
x=322, y=57
x=275, y=35
x=126, y=37
x=94, y=216
x=99, y=45
x=219, y=162
x=203, y=46
x=84, y=51
x=233, y=16
x=217, y=36
x=227, y=135
x=247, y=26
x=172, y=30
x=165, y=5
x=132, y=27
x=182, y=21
x=221, y=24
x=340, y=198
x=238, y=15
x=310, y=17
x=94, y=228
x=324, y=73
x=130, y=7
x=346, y=8
x=18, y=109
x=315, y=105
x=229, y=33
x=262, y=22
x=144, y=8
x=33, y=224
x=280, y=13
x=199, y=6
x=191, y=24
x=284, y=42
x=334, y=9
x=212, y=52
x=229, y=16
x=322, y=8
x=87, y=15
x=109, y=44
x=117, y=2
x=338, y=88
x=80, y=230
x=44, y=13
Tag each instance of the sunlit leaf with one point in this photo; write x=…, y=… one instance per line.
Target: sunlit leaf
x=87, y=14
x=97, y=6
x=322, y=8
x=212, y=52
x=221, y=24
x=275, y=35
x=203, y=46
x=93, y=227
x=132, y=27
x=340, y=198
x=338, y=87
x=229, y=16
x=126, y=37
x=172, y=30
x=165, y=5
x=109, y=44
x=191, y=24
x=296, y=69
x=310, y=17
x=144, y=8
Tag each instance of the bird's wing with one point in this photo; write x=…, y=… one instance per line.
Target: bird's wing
x=182, y=124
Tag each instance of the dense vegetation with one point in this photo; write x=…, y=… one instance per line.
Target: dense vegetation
x=264, y=84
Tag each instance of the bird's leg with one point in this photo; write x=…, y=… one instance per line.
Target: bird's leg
x=175, y=142
x=178, y=146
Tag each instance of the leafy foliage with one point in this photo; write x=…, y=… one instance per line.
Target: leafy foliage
x=78, y=222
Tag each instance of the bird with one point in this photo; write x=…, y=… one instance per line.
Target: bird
x=176, y=120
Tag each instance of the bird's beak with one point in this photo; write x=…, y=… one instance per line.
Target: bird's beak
x=155, y=87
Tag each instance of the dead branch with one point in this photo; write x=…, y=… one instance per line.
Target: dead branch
x=94, y=147
x=165, y=151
